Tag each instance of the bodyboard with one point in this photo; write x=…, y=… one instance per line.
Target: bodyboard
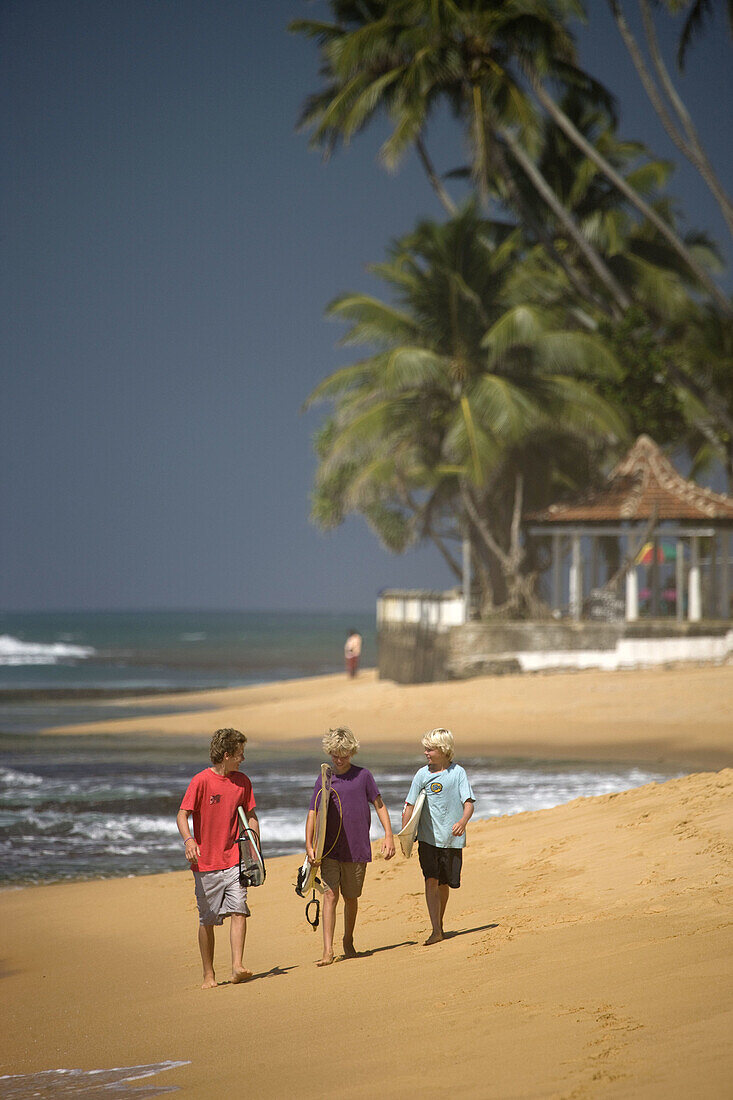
x=307, y=873
x=407, y=835
x=251, y=864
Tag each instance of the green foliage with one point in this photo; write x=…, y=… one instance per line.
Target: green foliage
x=644, y=386
x=466, y=403
x=505, y=361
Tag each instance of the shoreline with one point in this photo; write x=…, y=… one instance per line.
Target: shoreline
x=680, y=717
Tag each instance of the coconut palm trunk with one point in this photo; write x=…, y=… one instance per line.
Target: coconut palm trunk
x=543, y=189
x=569, y=128
x=482, y=115
x=435, y=181
x=689, y=143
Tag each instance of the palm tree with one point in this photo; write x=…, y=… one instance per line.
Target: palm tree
x=436, y=433
x=406, y=55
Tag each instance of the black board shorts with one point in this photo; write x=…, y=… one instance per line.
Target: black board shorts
x=441, y=863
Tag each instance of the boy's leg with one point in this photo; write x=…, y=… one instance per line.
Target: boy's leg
x=444, y=890
x=237, y=936
x=352, y=884
x=351, y=908
x=435, y=912
x=330, y=901
x=206, y=947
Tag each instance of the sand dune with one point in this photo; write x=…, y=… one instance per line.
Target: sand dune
x=590, y=954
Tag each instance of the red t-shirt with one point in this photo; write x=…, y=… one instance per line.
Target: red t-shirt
x=213, y=801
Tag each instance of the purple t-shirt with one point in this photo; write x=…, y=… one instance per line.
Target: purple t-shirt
x=356, y=789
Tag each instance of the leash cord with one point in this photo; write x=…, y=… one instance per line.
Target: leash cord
x=315, y=902
x=341, y=818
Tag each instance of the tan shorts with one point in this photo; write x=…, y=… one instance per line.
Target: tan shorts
x=219, y=894
x=346, y=877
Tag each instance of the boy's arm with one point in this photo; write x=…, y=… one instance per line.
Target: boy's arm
x=192, y=850
x=407, y=813
x=460, y=826
x=253, y=822
x=310, y=828
x=383, y=815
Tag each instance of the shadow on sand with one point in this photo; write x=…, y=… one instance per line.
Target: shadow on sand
x=376, y=950
x=468, y=931
x=276, y=972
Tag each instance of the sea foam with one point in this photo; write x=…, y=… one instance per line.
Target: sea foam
x=14, y=651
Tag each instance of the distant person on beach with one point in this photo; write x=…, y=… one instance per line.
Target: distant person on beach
x=213, y=798
x=441, y=833
x=347, y=848
x=352, y=653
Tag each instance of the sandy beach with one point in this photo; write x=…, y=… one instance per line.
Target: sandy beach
x=589, y=950
x=682, y=716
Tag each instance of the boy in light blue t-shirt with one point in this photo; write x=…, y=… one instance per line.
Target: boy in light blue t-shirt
x=441, y=833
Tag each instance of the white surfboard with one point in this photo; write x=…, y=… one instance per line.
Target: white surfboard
x=308, y=872
x=251, y=864
x=407, y=835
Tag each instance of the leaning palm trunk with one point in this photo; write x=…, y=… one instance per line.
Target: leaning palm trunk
x=693, y=150
x=593, y=258
x=521, y=595
x=481, y=113
x=689, y=143
x=435, y=181
x=590, y=151
x=579, y=283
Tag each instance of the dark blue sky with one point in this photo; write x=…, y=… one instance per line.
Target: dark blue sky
x=169, y=246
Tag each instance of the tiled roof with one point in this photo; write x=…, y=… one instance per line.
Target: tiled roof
x=643, y=484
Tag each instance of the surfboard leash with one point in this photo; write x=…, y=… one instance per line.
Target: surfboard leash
x=315, y=920
x=341, y=818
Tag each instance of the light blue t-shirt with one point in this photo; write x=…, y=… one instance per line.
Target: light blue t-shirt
x=445, y=794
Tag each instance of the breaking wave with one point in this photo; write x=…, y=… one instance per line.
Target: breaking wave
x=14, y=651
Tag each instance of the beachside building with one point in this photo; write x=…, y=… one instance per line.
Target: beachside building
x=639, y=575
x=665, y=537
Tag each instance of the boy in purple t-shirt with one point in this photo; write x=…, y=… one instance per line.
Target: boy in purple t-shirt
x=347, y=849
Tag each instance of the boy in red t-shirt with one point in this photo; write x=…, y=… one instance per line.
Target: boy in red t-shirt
x=213, y=798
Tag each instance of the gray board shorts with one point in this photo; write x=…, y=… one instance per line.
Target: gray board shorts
x=219, y=894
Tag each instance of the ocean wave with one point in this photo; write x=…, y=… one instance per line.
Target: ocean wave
x=14, y=651
x=13, y=778
x=102, y=827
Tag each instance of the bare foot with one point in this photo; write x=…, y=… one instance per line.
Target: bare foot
x=240, y=975
x=209, y=982
x=349, y=949
x=435, y=937
x=325, y=961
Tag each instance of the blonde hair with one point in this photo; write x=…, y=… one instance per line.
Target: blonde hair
x=440, y=738
x=340, y=741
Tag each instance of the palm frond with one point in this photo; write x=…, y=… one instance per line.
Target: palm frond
x=373, y=320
